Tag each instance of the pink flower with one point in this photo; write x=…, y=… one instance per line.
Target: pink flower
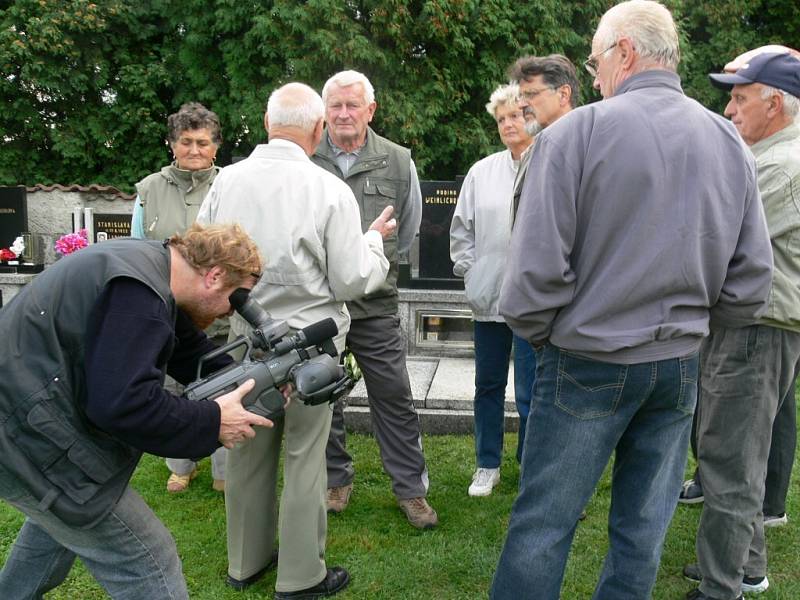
x=69, y=243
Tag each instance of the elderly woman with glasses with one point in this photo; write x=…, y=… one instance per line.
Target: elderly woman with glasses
x=167, y=202
x=479, y=238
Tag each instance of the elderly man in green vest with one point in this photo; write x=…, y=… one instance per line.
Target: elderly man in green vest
x=380, y=173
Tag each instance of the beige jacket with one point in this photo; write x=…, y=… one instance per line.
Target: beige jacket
x=307, y=225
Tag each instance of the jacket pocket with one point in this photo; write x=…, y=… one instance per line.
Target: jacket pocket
x=378, y=194
x=482, y=284
x=70, y=457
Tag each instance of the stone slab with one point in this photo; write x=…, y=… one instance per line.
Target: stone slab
x=454, y=381
x=420, y=373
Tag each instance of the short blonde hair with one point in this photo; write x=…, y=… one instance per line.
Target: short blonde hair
x=225, y=245
x=504, y=95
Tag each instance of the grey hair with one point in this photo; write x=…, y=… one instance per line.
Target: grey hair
x=295, y=105
x=650, y=27
x=346, y=79
x=193, y=115
x=504, y=95
x=791, y=104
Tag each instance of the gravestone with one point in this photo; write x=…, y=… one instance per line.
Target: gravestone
x=13, y=214
x=439, y=200
x=108, y=226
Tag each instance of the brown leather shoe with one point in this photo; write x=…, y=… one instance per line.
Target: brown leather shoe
x=419, y=513
x=178, y=483
x=339, y=497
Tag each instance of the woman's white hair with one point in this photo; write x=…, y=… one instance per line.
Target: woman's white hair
x=295, y=105
x=650, y=27
x=504, y=95
x=346, y=79
x=791, y=104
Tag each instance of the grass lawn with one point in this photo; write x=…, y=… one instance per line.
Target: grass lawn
x=389, y=559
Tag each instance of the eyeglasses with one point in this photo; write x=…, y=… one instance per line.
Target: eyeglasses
x=591, y=62
x=531, y=94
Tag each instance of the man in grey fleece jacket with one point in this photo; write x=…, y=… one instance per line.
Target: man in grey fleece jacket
x=643, y=216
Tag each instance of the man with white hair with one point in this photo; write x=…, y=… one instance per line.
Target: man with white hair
x=380, y=173
x=641, y=239
x=306, y=224
x=747, y=372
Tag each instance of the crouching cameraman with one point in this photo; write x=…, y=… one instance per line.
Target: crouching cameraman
x=85, y=349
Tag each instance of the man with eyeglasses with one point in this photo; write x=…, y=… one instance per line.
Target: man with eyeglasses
x=642, y=224
x=548, y=89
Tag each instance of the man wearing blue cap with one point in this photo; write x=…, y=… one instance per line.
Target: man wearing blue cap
x=746, y=372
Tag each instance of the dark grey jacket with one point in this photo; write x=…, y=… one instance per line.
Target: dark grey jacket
x=74, y=469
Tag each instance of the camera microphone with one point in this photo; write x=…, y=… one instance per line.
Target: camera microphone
x=313, y=335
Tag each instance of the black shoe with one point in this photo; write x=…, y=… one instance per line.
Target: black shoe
x=691, y=492
x=696, y=594
x=240, y=584
x=750, y=585
x=335, y=581
x=692, y=572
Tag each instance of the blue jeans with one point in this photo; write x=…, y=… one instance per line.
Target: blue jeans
x=130, y=552
x=583, y=411
x=493, y=342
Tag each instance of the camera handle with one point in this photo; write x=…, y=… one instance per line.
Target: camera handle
x=223, y=350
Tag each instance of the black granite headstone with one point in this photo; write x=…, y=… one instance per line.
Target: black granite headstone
x=439, y=200
x=108, y=226
x=13, y=214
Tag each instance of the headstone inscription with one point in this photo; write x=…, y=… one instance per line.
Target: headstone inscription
x=439, y=200
x=108, y=226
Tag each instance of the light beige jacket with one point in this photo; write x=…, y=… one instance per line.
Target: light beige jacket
x=307, y=225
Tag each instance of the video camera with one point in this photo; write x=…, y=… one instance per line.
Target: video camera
x=306, y=359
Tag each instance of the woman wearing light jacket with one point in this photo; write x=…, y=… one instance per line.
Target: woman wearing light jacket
x=479, y=238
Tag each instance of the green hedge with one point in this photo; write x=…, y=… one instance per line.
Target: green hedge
x=86, y=86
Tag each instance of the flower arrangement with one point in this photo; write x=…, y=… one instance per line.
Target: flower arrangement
x=14, y=251
x=6, y=254
x=71, y=242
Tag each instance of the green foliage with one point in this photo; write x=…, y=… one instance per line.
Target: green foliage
x=86, y=86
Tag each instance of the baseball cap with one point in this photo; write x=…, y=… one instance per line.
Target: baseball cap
x=778, y=70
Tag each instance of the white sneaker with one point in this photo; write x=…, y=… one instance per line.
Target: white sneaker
x=775, y=520
x=483, y=481
x=751, y=585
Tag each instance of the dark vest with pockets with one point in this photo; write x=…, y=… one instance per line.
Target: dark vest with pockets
x=379, y=177
x=75, y=470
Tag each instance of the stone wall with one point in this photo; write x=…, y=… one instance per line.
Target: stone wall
x=50, y=213
x=50, y=216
